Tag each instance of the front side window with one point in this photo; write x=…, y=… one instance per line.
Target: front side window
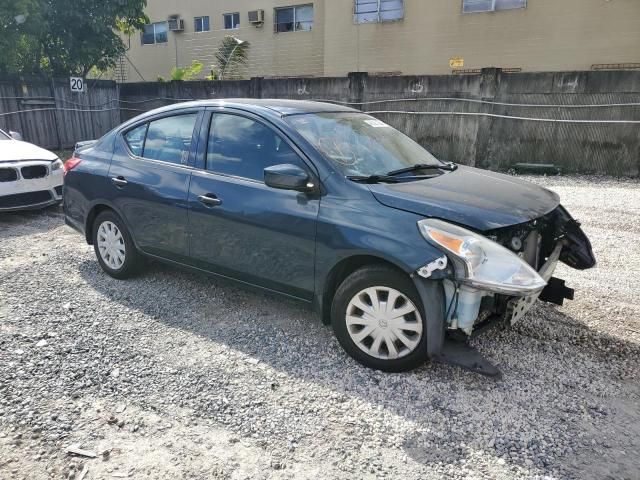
x=294, y=19
x=366, y=11
x=201, y=24
x=231, y=21
x=242, y=147
x=358, y=144
x=155, y=33
x=475, y=6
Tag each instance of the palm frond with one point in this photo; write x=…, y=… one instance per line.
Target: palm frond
x=232, y=54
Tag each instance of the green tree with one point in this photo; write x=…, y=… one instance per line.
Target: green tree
x=186, y=73
x=65, y=37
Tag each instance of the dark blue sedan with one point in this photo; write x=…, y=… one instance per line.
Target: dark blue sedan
x=405, y=255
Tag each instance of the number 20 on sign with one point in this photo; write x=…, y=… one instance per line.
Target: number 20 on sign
x=76, y=84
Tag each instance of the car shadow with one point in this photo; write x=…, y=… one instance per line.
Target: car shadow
x=544, y=349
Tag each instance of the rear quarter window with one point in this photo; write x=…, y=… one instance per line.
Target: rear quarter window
x=135, y=139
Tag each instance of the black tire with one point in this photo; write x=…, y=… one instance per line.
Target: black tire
x=383, y=276
x=132, y=260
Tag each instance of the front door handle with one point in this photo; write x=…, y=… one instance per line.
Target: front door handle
x=210, y=200
x=119, y=181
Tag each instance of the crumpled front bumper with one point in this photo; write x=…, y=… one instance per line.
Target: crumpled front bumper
x=519, y=306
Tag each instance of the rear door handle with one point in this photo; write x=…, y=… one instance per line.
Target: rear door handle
x=119, y=181
x=209, y=200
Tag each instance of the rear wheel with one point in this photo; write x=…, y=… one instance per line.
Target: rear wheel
x=116, y=253
x=378, y=318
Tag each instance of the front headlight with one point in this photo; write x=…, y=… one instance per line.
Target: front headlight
x=480, y=262
x=56, y=165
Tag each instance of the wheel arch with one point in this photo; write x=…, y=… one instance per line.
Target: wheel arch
x=340, y=271
x=91, y=217
x=96, y=209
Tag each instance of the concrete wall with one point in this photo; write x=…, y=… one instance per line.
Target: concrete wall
x=434, y=111
x=548, y=35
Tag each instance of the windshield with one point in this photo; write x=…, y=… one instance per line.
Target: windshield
x=358, y=144
x=4, y=136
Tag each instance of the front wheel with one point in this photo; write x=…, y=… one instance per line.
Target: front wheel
x=115, y=250
x=378, y=318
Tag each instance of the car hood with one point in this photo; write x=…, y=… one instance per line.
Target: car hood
x=12, y=150
x=475, y=198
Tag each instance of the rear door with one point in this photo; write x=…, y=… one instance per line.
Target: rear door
x=239, y=226
x=149, y=180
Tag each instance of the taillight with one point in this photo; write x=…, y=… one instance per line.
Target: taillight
x=70, y=164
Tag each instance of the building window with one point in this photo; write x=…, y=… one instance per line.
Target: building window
x=366, y=11
x=231, y=21
x=155, y=33
x=201, y=24
x=294, y=19
x=475, y=6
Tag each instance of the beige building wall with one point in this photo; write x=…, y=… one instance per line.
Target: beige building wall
x=271, y=54
x=549, y=35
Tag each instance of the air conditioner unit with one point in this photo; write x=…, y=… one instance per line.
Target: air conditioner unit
x=256, y=17
x=176, y=24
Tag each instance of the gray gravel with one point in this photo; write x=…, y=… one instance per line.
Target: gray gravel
x=176, y=375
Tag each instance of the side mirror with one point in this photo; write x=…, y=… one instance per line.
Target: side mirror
x=288, y=177
x=15, y=135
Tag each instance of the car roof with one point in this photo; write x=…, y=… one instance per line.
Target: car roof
x=279, y=106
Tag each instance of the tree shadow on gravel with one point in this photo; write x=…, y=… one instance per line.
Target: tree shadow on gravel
x=558, y=373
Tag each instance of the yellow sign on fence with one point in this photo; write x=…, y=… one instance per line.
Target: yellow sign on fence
x=456, y=62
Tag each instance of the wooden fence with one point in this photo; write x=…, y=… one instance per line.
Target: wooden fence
x=46, y=112
x=587, y=122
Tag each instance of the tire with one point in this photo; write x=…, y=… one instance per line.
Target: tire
x=126, y=262
x=349, y=322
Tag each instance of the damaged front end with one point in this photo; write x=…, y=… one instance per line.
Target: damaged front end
x=496, y=276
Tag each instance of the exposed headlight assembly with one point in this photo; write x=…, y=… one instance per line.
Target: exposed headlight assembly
x=56, y=165
x=480, y=262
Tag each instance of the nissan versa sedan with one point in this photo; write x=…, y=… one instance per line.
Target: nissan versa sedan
x=30, y=176
x=405, y=255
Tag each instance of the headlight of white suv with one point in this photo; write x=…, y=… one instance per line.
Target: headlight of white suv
x=56, y=165
x=480, y=262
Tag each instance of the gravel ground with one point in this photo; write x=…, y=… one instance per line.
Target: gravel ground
x=176, y=375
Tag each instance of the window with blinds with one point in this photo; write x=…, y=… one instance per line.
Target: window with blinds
x=476, y=6
x=366, y=11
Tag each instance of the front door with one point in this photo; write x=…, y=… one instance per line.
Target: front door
x=242, y=228
x=150, y=176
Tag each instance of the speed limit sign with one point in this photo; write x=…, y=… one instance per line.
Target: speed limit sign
x=77, y=84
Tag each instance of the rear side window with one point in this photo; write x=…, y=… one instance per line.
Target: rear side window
x=169, y=139
x=242, y=147
x=135, y=139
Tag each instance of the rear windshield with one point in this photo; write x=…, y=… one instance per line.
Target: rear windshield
x=358, y=144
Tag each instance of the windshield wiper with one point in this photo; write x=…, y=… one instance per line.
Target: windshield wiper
x=424, y=166
x=373, y=178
